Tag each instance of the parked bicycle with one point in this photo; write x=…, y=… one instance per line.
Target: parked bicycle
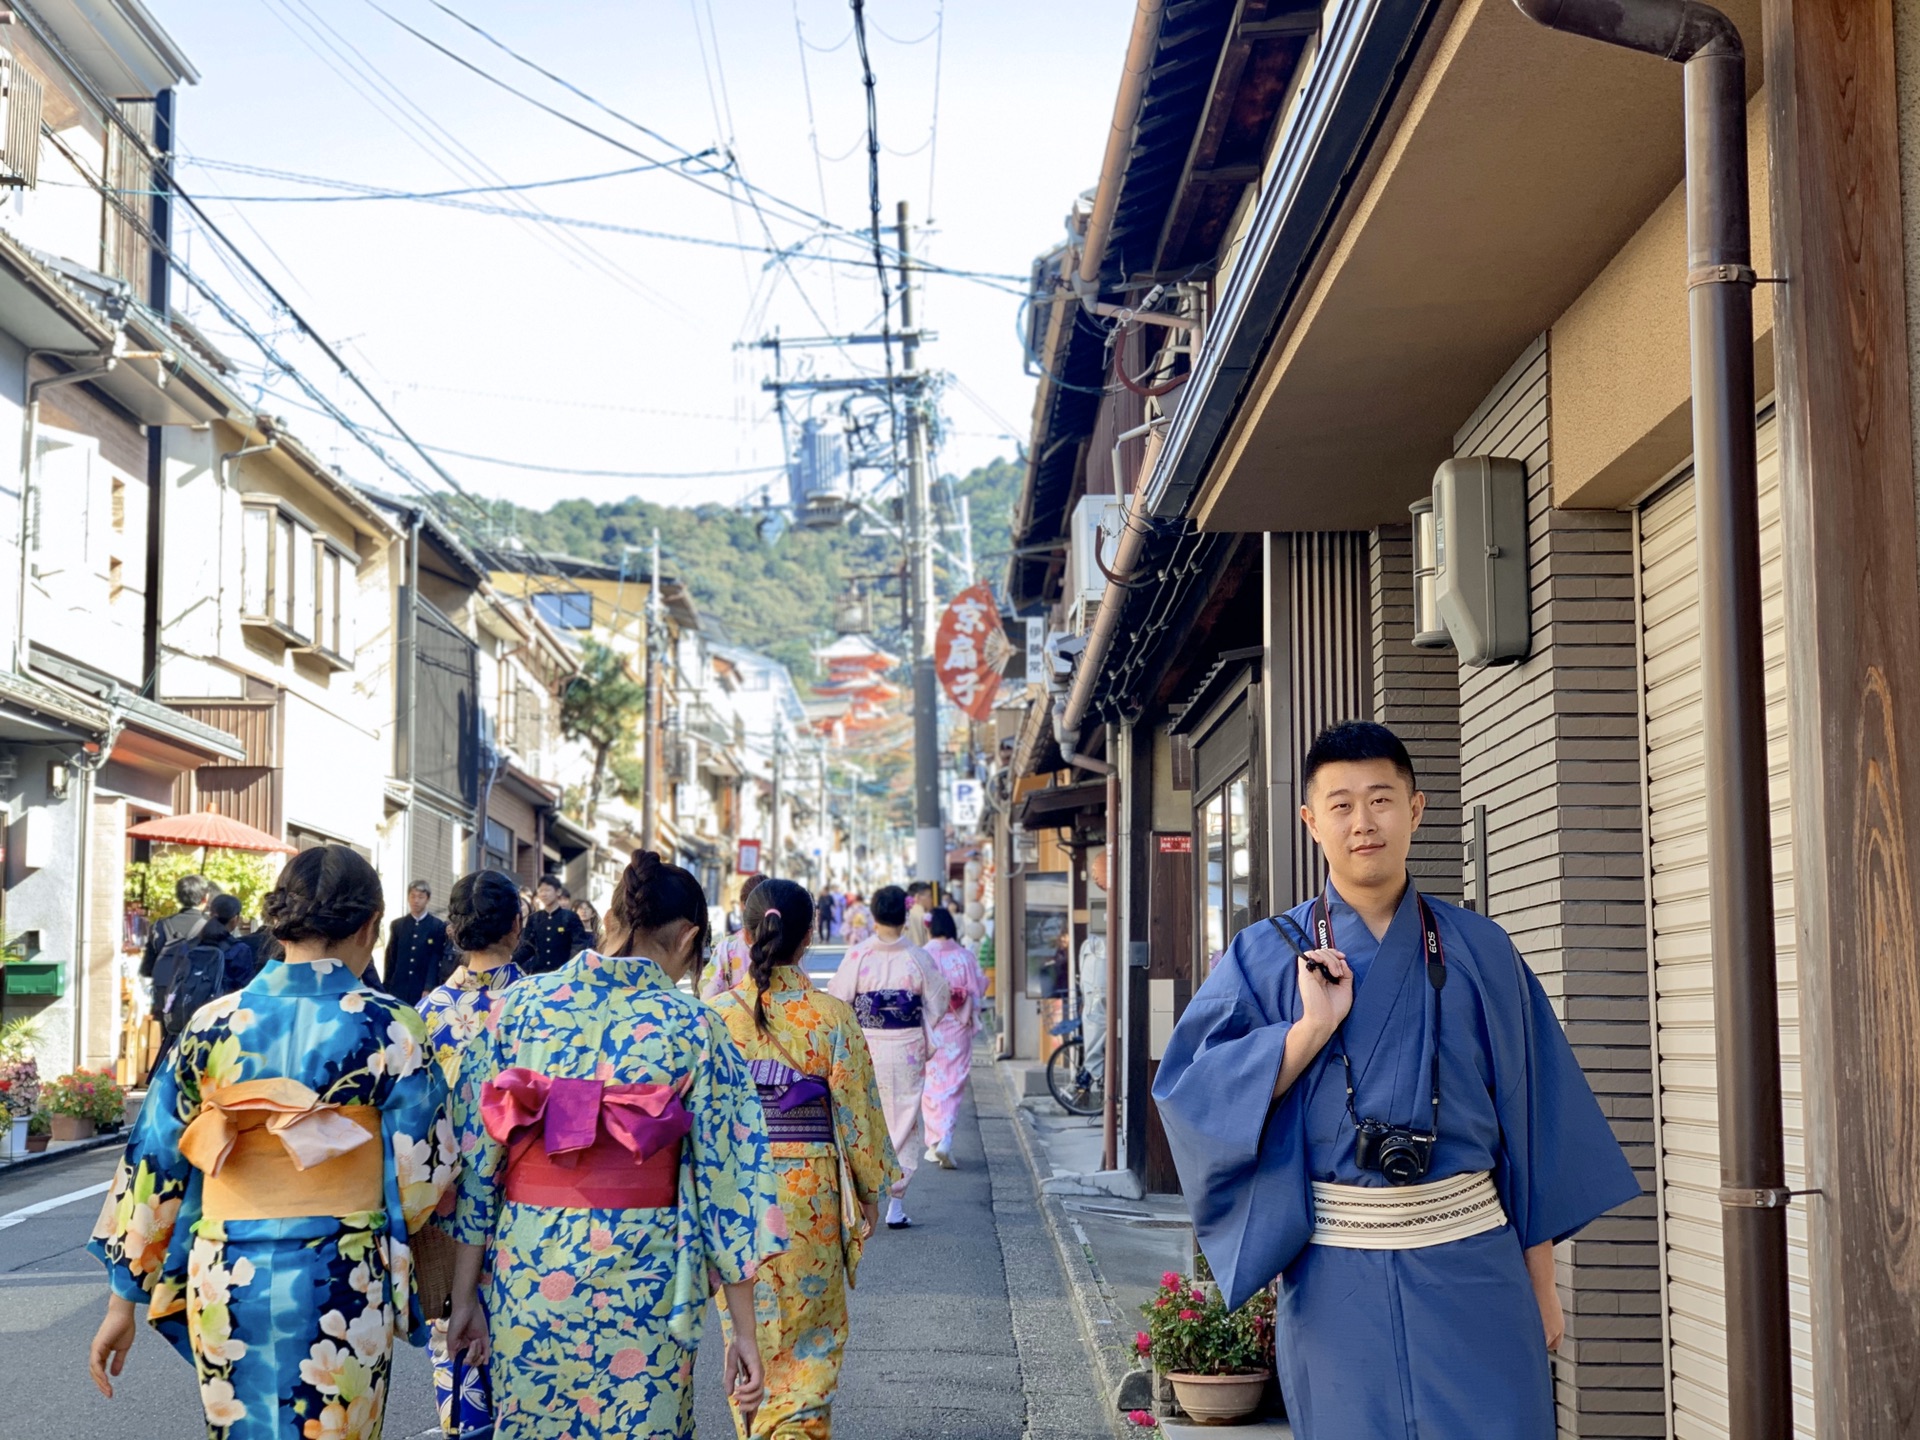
x=1075, y=1087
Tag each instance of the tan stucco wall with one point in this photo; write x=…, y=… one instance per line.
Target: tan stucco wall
x=1622, y=412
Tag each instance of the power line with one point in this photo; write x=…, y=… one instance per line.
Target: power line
x=873, y=208
x=440, y=143
x=381, y=192
x=933, y=141
x=827, y=226
x=536, y=467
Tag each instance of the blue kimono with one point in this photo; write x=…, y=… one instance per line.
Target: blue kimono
x=289, y=1319
x=1441, y=1341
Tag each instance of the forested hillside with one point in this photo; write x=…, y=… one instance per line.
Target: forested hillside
x=777, y=598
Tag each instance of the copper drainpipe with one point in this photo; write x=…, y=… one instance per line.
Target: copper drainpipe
x=1116, y=942
x=1126, y=115
x=1720, y=280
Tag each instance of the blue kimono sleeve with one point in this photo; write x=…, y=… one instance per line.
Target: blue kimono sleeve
x=1242, y=1155
x=1560, y=1167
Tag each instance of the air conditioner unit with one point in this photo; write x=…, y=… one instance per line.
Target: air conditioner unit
x=1093, y=540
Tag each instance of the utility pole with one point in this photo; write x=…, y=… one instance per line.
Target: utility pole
x=930, y=841
x=656, y=708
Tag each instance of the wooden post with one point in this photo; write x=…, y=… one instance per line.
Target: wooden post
x=1852, y=562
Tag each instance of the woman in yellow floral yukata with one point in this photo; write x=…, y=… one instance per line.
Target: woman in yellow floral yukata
x=263, y=1207
x=830, y=1147
x=615, y=1158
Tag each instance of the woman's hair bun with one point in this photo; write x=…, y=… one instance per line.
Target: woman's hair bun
x=326, y=893
x=653, y=894
x=482, y=909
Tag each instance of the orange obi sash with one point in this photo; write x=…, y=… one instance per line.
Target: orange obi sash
x=586, y=1145
x=273, y=1150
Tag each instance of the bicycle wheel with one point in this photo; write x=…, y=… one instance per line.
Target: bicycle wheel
x=1070, y=1081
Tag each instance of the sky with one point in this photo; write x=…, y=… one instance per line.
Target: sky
x=590, y=350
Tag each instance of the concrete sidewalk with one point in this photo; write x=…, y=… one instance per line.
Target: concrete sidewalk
x=1114, y=1242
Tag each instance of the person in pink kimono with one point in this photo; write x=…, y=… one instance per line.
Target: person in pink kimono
x=898, y=995
x=952, y=1058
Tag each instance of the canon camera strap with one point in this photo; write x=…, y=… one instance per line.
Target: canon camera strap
x=1436, y=958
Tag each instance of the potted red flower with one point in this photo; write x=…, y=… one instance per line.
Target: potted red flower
x=1218, y=1360
x=82, y=1102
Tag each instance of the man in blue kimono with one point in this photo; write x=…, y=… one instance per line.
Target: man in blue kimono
x=1371, y=1099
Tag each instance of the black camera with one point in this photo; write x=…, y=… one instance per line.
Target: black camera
x=1400, y=1154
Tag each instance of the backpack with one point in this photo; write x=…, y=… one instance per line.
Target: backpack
x=198, y=977
x=171, y=954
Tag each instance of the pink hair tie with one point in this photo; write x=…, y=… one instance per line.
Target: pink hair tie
x=770, y=911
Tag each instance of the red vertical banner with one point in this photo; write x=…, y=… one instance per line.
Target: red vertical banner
x=969, y=651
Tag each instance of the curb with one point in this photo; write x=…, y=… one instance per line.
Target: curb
x=45, y=1158
x=1107, y=1341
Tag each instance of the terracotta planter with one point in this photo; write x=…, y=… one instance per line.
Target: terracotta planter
x=1218, y=1399
x=72, y=1127
x=37, y=1143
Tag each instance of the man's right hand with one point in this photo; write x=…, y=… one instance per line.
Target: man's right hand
x=1323, y=1005
x=1324, y=1002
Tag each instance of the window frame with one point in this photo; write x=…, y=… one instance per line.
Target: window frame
x=283, y=594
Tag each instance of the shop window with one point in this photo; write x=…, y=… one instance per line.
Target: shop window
x=1213, y=845
x=1226, y=845
x=1047, y=936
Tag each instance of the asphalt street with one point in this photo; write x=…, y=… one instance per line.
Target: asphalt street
x=960, y=1327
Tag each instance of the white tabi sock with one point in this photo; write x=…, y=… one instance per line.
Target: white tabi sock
x=896, y=1212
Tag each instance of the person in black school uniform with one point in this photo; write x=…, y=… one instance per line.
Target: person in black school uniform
x=553, y=933
x=416, y=949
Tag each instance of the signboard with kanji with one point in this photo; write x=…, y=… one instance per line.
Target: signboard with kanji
x=970, y=650
x=749, y=857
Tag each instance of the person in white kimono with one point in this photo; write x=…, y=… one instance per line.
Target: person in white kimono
x=898, y=995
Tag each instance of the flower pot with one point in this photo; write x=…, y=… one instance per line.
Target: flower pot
x=18, y=1131
x=133, y=1104
x=37, y=1143
x=1218, y=1399
x=72, y=1127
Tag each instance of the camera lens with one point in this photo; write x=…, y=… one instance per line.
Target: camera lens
x=1400, y=1162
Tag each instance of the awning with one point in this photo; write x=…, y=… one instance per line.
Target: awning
x=1520, y=163
x=33, y=713
x=1036, y=751
x=1059, y=806
x=568, y=837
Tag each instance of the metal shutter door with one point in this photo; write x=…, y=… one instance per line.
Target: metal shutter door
x=1683, y=981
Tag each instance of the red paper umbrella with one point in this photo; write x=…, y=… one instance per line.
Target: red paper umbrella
x=209, y=831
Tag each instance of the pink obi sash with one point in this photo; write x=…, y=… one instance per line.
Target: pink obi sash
x=584, y=1144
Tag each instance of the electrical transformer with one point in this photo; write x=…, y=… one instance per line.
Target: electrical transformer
x=1480, y=555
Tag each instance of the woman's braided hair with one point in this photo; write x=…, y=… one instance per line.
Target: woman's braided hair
x=652, y=895
x=780, y=915
x=326, y=893
x=482, y=910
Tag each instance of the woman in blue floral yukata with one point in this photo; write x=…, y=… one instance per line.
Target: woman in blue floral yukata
x=615, y=1157
x=484, y=917
x=262, y=1210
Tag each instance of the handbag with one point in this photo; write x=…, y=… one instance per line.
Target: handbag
x=482, y=1431
x=433, y=1252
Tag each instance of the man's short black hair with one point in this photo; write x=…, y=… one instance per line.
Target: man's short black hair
x=421, y=886
x=1356, y=740
x=919, y=887
x=225, y=909
x=553, y=880
x=889, y=905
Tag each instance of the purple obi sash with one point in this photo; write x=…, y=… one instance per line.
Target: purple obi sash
x=795, y=1104
x=888, y=1009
